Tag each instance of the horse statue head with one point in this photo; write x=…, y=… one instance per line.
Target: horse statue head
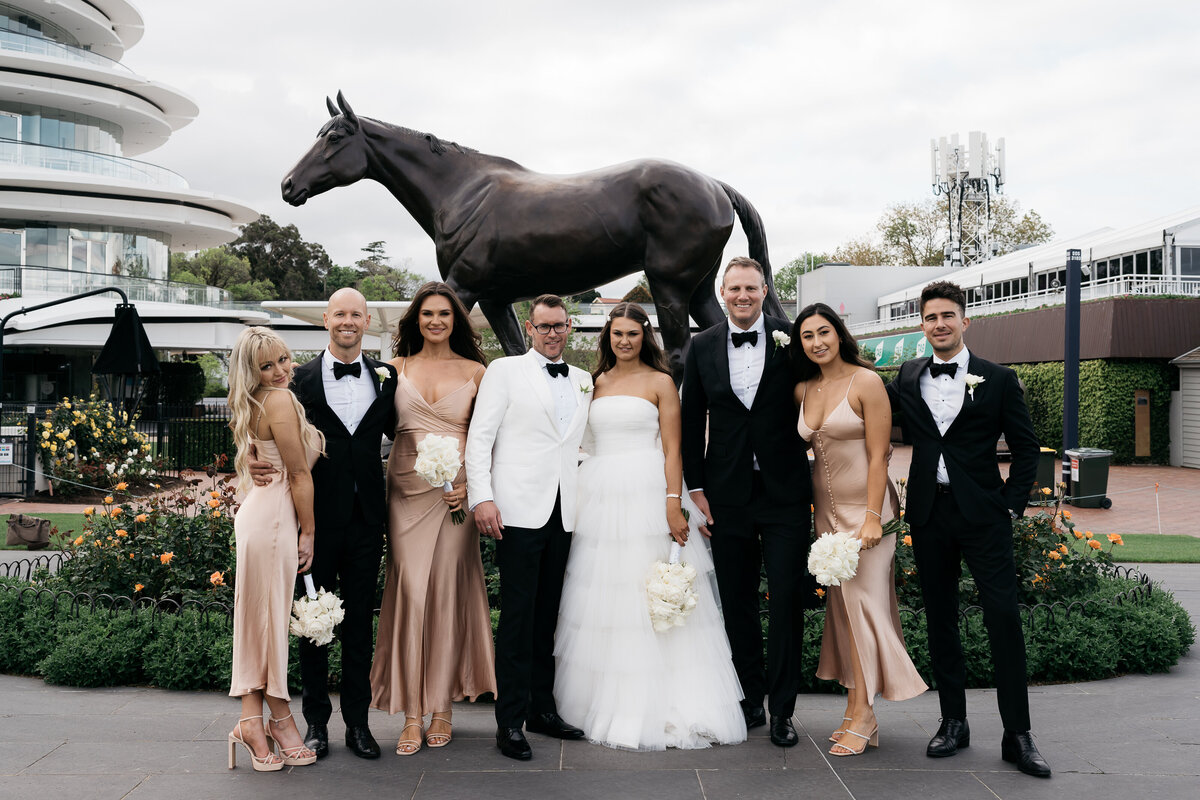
x=337, y=158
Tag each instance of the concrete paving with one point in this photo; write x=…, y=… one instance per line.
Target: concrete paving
x=1137, y=735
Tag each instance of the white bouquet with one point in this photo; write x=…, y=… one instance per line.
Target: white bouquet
x=669, y=591
x=833, y=558
x=438, y=463
x=316, y=614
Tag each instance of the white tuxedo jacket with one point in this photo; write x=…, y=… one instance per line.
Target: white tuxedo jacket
x=515, y=455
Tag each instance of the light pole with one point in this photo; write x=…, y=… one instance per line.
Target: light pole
x=1071, y=363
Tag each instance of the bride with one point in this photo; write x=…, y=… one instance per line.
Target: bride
x=627, y=686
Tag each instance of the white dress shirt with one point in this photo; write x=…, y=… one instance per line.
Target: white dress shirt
x=746, y=363
x=350, y=397
x=944, y=396
x=562, y=391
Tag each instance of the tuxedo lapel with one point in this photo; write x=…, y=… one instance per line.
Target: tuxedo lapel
x=971, y=404
x=541, y=390
x=771, y=354
x=721, y=358
x=912, y=386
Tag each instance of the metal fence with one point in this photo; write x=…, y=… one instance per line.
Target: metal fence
x=181, y=438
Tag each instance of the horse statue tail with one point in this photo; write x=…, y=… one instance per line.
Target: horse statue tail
x=757, y=238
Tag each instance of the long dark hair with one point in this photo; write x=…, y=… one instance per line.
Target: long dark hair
x=464, y=339
x=651, y=355
x=847, y=346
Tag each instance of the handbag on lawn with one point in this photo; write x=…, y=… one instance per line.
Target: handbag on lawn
x=33, y=532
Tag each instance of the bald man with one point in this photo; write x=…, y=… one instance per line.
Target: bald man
x=347, y=399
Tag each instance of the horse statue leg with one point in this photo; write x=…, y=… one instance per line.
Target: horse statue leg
x=704, y=307
x=505, y=325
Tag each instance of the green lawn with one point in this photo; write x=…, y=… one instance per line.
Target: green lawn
x=64, y=522
x=1157, y=548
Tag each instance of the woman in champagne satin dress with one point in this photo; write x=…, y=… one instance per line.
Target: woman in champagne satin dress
x=845, y=416
x=435, y=635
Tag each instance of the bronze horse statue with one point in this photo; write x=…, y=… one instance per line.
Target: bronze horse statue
x=504, y=233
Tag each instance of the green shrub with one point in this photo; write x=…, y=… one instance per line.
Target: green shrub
x=96, y=648
x=1106, y=409
x=190, y=650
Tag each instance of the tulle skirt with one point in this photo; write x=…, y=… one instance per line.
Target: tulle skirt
x=625, y=685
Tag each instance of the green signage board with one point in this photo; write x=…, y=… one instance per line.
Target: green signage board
x=892, y=351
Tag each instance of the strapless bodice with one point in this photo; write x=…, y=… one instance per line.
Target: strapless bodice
x=621, y=424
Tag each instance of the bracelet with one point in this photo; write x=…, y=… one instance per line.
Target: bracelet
x=677, y=497
x=876, y=513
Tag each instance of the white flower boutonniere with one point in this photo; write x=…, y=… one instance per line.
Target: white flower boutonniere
x=972, y=382
x=383, y=374
x=781, y=339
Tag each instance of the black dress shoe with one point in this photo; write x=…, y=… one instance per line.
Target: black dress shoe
x=552, y=725
x=1019, y=749
x=317, y=739
x=783, y=732
x=513, y=744
x=755, y=716
x=361, y=742
x=952, y=735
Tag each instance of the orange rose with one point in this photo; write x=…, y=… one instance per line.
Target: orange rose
x=1078, y=534
x=214, y=503
x=216, y=579
x=1065, y=514
x=140, y=518
x=122, y=486
x=137, y=587
x=820, y=592
x=108, y=499
x=1062, y=548
x=89, y=511
x=122, y=532
x=1092, y=543
x=166, y=558
x=78, y=541
x=1046, y=491
x=216, y=514
x=1054, y=554
x=907, y=540
x=131, y=555
x=1115, y=538
x=1087, y=534
x=214, y=495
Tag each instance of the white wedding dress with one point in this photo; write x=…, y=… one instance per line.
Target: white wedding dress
x=625, y=685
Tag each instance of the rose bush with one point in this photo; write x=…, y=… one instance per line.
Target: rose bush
x=84, y=442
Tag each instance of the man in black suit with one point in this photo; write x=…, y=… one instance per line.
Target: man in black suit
x=351, y=399
x=954, y=407
x=753, y=485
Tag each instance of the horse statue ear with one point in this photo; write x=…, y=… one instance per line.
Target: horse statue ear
x=333, y=110
x=347, y=111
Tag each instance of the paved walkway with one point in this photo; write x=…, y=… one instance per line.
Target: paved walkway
x=1135, y=736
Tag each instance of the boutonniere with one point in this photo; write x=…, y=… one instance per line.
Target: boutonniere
x=972, y=382
x=585, y=389
x=383, y=374
x=781, y=339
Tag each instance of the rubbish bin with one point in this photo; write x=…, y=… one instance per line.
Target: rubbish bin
x=1089, y=477
x=1045, y=478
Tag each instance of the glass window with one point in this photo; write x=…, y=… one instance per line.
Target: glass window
x=1101, y=270
x=78, y=255
x=10, y=126
x=1126, y=265
x=1189, y=262
x=49, y=131
x=12, y=247
x=1142, y=261
x=1156, y=265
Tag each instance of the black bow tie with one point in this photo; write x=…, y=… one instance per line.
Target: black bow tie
x=942, y=369
x=740, y=339
x=557, y=370
x=340, y=369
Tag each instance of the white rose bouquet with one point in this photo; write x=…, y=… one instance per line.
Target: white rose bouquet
x=833, y=558
x=316, y=614
x=438, y=462
x=669, y=591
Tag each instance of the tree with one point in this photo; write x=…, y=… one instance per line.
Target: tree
x=340, y=278
x=1012, y=230
x=217, y=266
x=861, y=252
x=382, y=281
x=785, y=279
x=295, y=268
x=639, y=293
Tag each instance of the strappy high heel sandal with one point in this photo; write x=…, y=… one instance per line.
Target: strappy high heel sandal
x=268, y=763
x=837, y=735
x=871, y=739
x=438, y=739
x=406, y=747
x=298, y=756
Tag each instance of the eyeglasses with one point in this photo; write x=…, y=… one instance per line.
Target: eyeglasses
x=558, y=327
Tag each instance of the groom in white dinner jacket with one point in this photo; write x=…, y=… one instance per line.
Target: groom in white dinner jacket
x=522, y=460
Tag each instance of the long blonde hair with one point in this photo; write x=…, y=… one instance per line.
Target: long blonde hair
x=245, y=378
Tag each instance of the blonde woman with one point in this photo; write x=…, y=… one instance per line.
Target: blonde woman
x=274, y=529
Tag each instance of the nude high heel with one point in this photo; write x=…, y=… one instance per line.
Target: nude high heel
x=869, y=739
x=837, y=735
x=438, y=739
x=268, y=763
x=298, y=756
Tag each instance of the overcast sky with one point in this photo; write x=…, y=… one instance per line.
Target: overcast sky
x=819, y=113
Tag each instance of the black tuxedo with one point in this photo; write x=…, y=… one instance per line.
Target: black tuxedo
x=970, y=519
x=350, y=508
x=762, y=517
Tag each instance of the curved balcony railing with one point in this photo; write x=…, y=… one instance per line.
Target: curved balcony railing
x=45, y=280
x=36, y=45
x=44, y=156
